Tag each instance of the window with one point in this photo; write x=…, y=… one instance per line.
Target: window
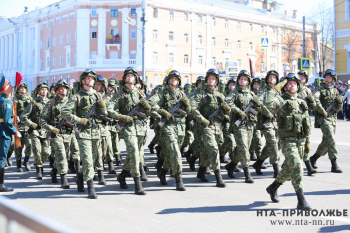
x=47, y=23
x=200, y=39
x=246, y=2
x=213, y=61
x=239, y=63
x=54, y=41
x=284, y=51
x=273, y=31
x=200, y=18
x=75, y=36
x=54, y=21
x=68, y=37
x=155, y=34
x=113, y=54
x=239, y=25
x=61, y=19
x=239, y=44
x=251, y=27
x=133, y=11
x=214, y=21
x=156, y=79
x=54, y=61
x=133, y=33
x=186, y=60
x=200, y=60
x=113, y=75
x=171, y=58
x=283, y=33
x=187, y=79
x=48, y=42
x=171, y=15
x=61, y=60
x=214, y=41
x=186, y=17
x=60, y=77
x=93, y=33
x=68, y=58
x=274, y=48
x=262, y=66
x=251, y=46
x=67, y=78
x=41, y=44
x=93, y=11
x=262, y=29
x=273, y=66
x=41, y=63
x=61, y=39
x=114, y=12
x=294, y=68
x=227, y=23
x=293, y=33
x=186, y=38
x=155, y=56
x=41, y=25
x=47, y=62
x=53, y=79
x=68, y=17
x=227, y=43
x=93, y=54
x=47, y=80
x=171, y=36
x=294, y=52
x=155, y=12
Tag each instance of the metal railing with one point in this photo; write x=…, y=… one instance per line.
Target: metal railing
x=16, y=214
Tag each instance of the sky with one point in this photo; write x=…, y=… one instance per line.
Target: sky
x=12, y=8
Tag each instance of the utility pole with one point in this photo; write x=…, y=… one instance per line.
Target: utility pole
x=304, y=52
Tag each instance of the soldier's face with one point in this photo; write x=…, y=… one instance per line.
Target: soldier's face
x=256, y=86
x=174, y=81
x=302, y=79
x=231, y=86
x=62, y=90
x=329, y=80
x=8, y=89
x=99, y=86
x=130, y=78
x=272, y=79
x=243, y=81
x=212, y=80
x=52, y=91
x=89, y=81
x=43, y=91
x=199, y=85
x=22, y=90
x=111, y=90
x=291, y=87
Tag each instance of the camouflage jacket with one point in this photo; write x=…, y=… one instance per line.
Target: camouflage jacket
x=303, y=94
x=267, y=98
x=22, y=102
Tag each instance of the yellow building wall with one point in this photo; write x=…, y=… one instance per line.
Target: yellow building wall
x=341, y=58
x=339, y=10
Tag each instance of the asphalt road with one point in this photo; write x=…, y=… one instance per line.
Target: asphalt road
x=239, y=207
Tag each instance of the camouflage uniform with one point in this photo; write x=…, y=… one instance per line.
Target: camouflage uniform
x=256, y=144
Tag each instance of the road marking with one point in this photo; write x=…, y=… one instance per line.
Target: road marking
x=155, y=220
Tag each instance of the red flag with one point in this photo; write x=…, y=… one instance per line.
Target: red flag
x=19, y=78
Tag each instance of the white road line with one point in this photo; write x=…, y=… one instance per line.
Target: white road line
x=154, y=220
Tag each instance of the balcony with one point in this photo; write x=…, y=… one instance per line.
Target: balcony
x=113, y=42
x=115, y=63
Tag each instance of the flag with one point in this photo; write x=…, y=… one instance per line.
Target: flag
x=19, y=78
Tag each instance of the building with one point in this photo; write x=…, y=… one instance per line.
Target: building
x=342, y=39
x=61, y=40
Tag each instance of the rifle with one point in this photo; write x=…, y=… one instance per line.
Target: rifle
x=14, y=108
x=30, y=130
x=60, y=125
x=328, y=110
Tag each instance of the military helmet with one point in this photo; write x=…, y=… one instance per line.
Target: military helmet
x=23, y=84
x=174, y=73
x=61, y=83
x=305, y=74
x=292, y=77
x=130, y=70
x=102, y=80
x=231, y=80
x=256, y=79
x=188, y=88
x=246, y=74
x=199, y=79
x=52, y=86
x=111, y=84
x=42, y=85
x=212, y=72
x=331, y=73
x=274, y=72
x=88, y=73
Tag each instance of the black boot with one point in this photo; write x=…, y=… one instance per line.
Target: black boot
x=101, y=178
x=19, y=168
x=111, y=168
x=162, y=176
x=223, y=159
x=91, y=190
x=80, y=182
x=179, y=183
x=257, y=166
x=201, y=174
x=145, y=168
x=77, y=166
x=335, y=167
x=263, y=166
x=253, y=156
x=158, y=149
x=64, y=181
x=310, y=169
x=121, y=179
x=53, y=175
x=313, y=160
x=302, y=204
x=248, y=178
x=159, y=165
x=188, y=153
x=138, y=186
x=143, y=173
x=51, y=160
x=39, y=174
x=276, y=169
x=71, y=167
x=171, y=173
x=219, y=181
x=191, y=161
x=118, y=160
x=236, y=168
x=272, y=190
x=151, y=147
x=229, y=167
x=26, y=163
x=3, y=188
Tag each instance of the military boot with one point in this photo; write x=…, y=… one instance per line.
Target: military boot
x=182, y=151
x=219, y=181
x=39, y=174
x=101, y=178
x=111, y=168
x=80, y=182
x=19, y=166
x=64, y=181
x=138, y=186
x=257, y=166
x=179, y=183
x=335, y=167
x=71, y=167
x=276, y=169
x=302, y=204
x=253, y=156
x=118, y=160
x=145, y=168
x=51, y=160
x=151, y=147
x=143, y=173
x=158, y=149
x=191, y=161
x=313, y=160
x=159, y=165
x=188, y=153
x=77, y=165
x=248, y=178
x=121, y=179
x=229, y=167
x=272, y=190
x=53, y=175
x=91, y=190
x=3, y=188
x=263, y=166
x=201, y=174
x=310, y=169
x=162, y=176
x=236, y=168
x=26, y=163
x=223, y=159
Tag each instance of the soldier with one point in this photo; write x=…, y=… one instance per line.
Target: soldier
x=346, y=98
x=324, y=97
x=22, y=101
x=60, y=130
x=294, y=125
x=173, y=132
x=52, y=90
x=38, y=135
x=89, y=136
x=7, y=128
x=203, y=104
x=135, y=128
x=189, y=129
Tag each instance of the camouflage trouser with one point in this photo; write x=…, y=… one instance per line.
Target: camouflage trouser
x=229, y=145
x=25, y=141
x=74, y=150
x=115, y=143
x=107, y=149
x=189, y=138
x=89, y=149
x=256, y=144
x=271, y=147
x=61, y=145
x=155, y=138
x=292, y=168
x=134, y=144
x=197, y=145
x=210, y=152
x=172, y=143
x=243, y=137
x=306, y=155
x=328, y=141
x=142, y=152
x=40, y=148
x=53, y=152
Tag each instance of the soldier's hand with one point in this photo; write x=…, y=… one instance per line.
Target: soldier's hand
x=101, y=103
x=145, y=104
x=165, y=114
x=324, y=113
x=225, y=106
x=256, y=101
x=227, y=118
x=242, y=115
x=84, y=121
x=280, y=85
x=307, y=148
x=204, y=122
x=18, y=134
x=125, y=118
x=56, y=131
x=185, y=101
x=33, y=125
x=339, y=99
x=271, y=116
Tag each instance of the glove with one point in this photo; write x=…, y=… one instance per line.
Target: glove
x=165, y=114
x=145, y=104
x=256, y=101
x=339, y=99
x=307, y=148
x=56, y=131
x=271, y=116
x=18, y=134
x=225, y=106
x=33, y=125
x=311, y=98
x=280, y=85
x=324, y=113
x=125, y=118
x=84, y=121
x=242, y=114
x=227, y=118
x=185, y=101
x=101, y=103
x=204, y=122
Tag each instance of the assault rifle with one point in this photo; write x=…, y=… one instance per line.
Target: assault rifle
x=248, y=109
x=31, y=129
x=328, y=110
x=60, y=125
